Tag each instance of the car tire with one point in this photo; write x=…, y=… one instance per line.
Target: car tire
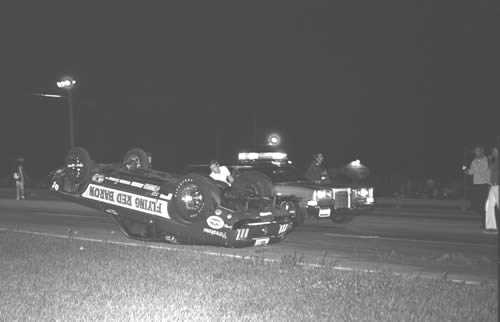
x=204, y=198
x=300, y=217
x=287, y=206
x=338, y=217
x=136, y=158
x=255, y=182
x=78, y=166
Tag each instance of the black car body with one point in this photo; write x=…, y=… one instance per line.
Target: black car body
x=159, y=206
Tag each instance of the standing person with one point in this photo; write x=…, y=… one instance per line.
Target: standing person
x=19, y=178
x=220, y=173
x=480, y=172
x=492, y=201
x=317, y=171
x=150, y=159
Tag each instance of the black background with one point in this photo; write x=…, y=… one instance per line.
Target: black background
x=405, y=86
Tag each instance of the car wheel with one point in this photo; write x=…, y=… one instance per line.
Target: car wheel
x=77, y=169
x=136, y=159
x=338, y=217
x=254, y=182
x=300, y=216
x=293, y=210
x=194, y=198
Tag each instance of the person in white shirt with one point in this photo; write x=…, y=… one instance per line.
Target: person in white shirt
x=480, y=172
x=492, y=203
x=220, y=173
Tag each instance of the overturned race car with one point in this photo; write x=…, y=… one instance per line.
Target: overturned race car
x=154, y=205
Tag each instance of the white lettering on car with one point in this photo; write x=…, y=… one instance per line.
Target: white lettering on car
x=151, y=187
x=217, y=233
x=55, y=186
x=166, y=197
x=127, y=200
x=215, y=222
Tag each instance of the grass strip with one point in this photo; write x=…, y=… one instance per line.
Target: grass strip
x=51, y=279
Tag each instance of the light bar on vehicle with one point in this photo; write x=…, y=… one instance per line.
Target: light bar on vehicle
x=48, y=95
x=249, y=156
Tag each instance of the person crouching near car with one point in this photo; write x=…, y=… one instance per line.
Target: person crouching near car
x=220, y=173
x=19, y=178
x=492, y=201
x=480, y=172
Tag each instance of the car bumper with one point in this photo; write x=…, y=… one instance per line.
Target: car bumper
x=259, y=233
x=326, y=212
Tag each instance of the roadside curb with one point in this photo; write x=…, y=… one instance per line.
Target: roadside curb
x=55, y=205
x=416, y=203
x=425, y=213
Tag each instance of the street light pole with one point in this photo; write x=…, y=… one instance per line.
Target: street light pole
x=217, y=143
x=67, y=83
x=71, y=120
x=255, y=128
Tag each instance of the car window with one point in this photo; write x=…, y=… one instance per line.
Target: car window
x=287, y=174
x=200, y=169
x=280, y=174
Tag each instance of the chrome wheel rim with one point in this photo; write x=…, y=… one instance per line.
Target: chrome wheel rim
x=192, y=199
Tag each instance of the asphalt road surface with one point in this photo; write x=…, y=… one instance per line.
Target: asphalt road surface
x=427, y=243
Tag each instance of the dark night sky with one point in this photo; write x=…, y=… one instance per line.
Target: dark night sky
x=403, y=85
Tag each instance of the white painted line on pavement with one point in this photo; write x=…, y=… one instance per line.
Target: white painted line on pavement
x=219, y=254
x=408, y=240
x=55, y=214
x=64, y=215
x=352, y=236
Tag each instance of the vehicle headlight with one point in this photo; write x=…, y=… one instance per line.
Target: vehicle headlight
x=323, y=194
x=355, y=164
x=99, y=178
x=363, y=192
